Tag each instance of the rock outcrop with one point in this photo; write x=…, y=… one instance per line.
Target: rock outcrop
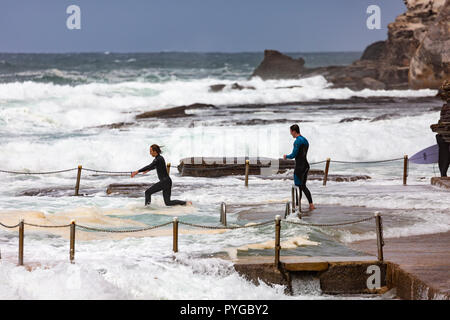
x=430, y=64
x=416, y=54
x=278, y=66
x=174, y=112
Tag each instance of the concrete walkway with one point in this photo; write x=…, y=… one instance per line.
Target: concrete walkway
x=420, y=264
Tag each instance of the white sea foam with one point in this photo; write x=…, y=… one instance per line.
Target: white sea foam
x=124, y=150
x=31, y=104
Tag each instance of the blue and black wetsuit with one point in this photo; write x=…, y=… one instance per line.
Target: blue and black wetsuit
x=164, y=184
x=301, y=146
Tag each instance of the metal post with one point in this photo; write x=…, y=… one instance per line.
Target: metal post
x=405, y=169
x=77, y=185
x=168, y=168
x=299, y=214
x=380, y=241
x=72, y=241
x=277, y=241
x=299, y=202
x=175, y=234
x=223, y=213
x=247, y=167
x=327, y=167
x=287, y=211
x=293, y=198
x=21, y=235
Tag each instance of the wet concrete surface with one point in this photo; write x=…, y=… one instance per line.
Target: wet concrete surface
x=421, y=264
x=442, y=182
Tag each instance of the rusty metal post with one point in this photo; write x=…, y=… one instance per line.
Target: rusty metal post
x=21, y=235
x=379, y=230
x=77, y=185
x=287, y=211
x=175, y=234
x=327, y=167
x=72, y=241
x=247, y=169
x=277, y=241
x=293, y=198
x=405, y=170
x=168, y=168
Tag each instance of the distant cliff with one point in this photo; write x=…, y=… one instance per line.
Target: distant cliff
x=415, y=55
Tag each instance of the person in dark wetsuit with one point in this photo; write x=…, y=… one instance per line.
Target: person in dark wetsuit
x=444, y=155
x=301, y=146
x=164, y=184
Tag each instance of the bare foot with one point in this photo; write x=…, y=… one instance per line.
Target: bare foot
x=311, y=207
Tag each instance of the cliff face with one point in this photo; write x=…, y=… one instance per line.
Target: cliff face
x=416, y=54
x=430, y=64
x=409, y=29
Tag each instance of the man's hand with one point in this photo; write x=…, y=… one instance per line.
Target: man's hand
x=284, y=157
x=134, y=173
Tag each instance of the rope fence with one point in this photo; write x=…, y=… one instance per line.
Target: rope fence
x=123, y=230
x=367, y=162
x=175, y=222
x=9, y=227
x=36, y=173
x=231, y=166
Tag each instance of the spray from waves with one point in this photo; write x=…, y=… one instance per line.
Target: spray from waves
x=119, y=151
x=102, y=273
x=26, y=104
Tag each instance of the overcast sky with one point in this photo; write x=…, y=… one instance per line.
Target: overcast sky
x=192, y=25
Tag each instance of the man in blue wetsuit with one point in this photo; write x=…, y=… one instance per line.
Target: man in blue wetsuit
x=301, y=146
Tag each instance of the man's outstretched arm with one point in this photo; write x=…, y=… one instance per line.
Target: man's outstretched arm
x=294, y=151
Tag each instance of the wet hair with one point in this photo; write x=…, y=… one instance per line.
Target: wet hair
x=295, y=128
x=156, y=148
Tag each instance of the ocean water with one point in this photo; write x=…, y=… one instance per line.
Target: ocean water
x=53, y=112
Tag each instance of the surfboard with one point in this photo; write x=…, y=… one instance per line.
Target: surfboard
x=426, y=156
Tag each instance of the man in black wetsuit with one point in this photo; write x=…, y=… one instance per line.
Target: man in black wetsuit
x=444, y=155
x=164, y=184
x=301, y=146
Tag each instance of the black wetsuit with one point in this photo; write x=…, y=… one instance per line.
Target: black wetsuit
x=444, y=155
x=301, y=146
x=164, y=184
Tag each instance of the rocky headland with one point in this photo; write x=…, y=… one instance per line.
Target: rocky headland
x=415, y=55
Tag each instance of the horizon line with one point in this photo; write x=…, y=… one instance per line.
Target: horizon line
x=106, y=52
